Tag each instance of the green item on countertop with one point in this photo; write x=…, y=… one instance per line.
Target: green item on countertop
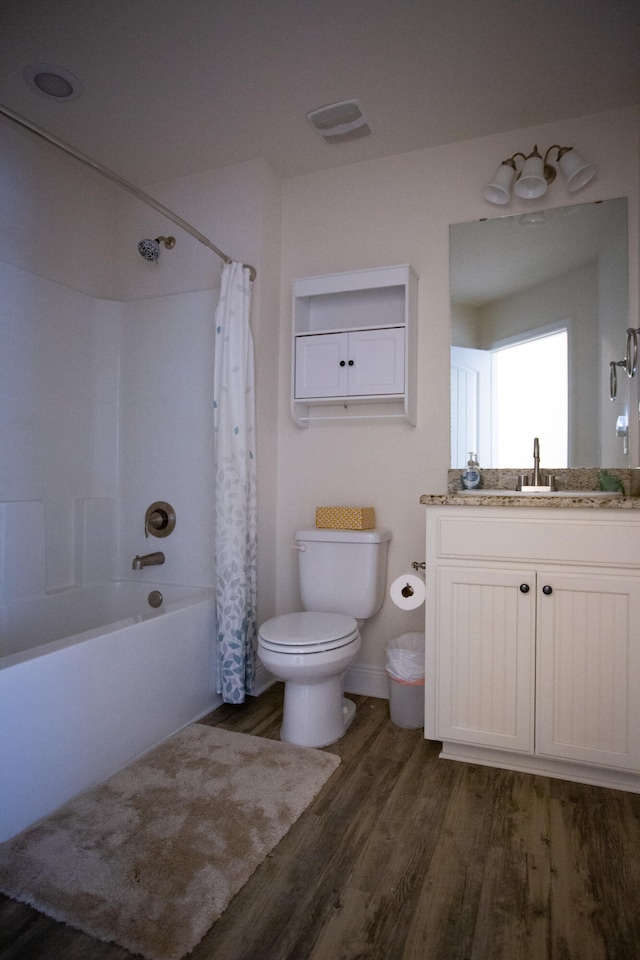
x=607, y=482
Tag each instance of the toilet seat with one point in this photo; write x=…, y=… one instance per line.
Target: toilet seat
x=308, y=632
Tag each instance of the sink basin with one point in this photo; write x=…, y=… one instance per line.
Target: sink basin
x=525, y=493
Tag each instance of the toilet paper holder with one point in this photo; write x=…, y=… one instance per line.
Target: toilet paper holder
x=407, y=590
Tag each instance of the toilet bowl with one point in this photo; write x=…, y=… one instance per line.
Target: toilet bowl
x=342, y=578
x=310, y=652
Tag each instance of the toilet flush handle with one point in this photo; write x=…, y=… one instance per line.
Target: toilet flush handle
x=298, y=546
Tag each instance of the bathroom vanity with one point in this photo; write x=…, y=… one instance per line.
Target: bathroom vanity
x=533, y=634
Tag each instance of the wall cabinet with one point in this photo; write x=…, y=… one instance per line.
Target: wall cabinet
x=533, y=640
x=354, y=346
x=350, y=364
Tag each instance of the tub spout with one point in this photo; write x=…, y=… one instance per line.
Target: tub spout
x=148, y=560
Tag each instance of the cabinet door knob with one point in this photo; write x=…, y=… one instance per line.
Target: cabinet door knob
x=547, y=589
x=351, y=362
x=342, y=362
x=524, y=588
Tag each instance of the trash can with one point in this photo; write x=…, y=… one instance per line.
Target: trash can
x=405, y=677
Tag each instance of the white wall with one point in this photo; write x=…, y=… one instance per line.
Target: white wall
x=58, y=217
x=398, y=210
x=58, y=363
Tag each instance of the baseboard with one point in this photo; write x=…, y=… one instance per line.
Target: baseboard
x=368, y=680
x=264, y=679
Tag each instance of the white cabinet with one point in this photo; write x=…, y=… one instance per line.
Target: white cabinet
x=354, y=345
x=350, y=364
x=588, y=673
x=486, y=649
x=533, y=640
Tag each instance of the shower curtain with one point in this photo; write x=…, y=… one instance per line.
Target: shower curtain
x=235, y=488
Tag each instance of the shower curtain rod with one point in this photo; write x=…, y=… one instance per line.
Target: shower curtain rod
x=115, y=178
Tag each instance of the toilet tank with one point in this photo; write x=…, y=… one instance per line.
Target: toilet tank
x=343, y=571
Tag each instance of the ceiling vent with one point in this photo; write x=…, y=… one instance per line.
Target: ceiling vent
x=340, y=122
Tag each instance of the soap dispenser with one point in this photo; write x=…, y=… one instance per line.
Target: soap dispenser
x=471, y=478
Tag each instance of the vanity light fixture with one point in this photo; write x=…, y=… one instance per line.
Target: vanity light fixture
x=536, y=173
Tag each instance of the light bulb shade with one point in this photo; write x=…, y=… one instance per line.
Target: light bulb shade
x=577, y=171
x=531, y=182
x=498, y=190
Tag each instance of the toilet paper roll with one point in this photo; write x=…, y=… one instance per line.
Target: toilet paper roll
x=408, y=591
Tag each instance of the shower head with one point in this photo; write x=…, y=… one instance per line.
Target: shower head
x=150, y=249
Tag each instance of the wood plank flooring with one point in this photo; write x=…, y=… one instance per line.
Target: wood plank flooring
x=407, y=857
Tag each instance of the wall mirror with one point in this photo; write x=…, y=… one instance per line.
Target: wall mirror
x=539, y=311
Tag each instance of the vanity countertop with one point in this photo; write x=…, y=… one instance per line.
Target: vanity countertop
x=537, y=500
x=583, y=480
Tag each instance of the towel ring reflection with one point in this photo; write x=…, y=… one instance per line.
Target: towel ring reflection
x=632, y=351
x=613, y=377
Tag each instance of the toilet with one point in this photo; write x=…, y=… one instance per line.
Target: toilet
x=342, y=584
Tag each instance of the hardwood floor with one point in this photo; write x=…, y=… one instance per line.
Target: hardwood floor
x=407, y=857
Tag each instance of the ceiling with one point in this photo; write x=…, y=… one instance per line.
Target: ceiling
x=176, y=87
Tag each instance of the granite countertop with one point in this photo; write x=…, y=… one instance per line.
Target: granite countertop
x=531, y=500
x=582, y=480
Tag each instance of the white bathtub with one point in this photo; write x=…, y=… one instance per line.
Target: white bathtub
x=91, y=678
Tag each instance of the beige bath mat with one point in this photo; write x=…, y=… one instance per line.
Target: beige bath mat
x=150, y=858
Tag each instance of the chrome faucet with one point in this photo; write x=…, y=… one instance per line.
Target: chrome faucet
x=148, y=560
x=535, y=482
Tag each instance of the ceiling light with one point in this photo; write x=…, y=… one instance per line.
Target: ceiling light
x=55, y=83
x=340, y=122
x=536, y=174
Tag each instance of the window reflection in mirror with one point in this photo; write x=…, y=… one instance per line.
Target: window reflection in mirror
x=519, y=279
x=515, y=418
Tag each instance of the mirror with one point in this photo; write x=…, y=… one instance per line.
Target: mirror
x=515, y=281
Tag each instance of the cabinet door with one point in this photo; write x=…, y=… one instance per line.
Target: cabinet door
x=376, y=362
x=321, y=365
x=588, y=697
x=486, y=635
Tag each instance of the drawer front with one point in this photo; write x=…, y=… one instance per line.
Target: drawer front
x=593, y=539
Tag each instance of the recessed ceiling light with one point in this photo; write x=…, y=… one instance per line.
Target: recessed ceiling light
x=52, y=82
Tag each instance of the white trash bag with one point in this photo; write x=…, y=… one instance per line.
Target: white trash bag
x=405, y=658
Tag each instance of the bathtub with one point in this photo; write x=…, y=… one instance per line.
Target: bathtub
x=91, y=678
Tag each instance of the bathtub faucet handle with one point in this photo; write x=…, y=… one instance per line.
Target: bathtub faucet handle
x=157, y=520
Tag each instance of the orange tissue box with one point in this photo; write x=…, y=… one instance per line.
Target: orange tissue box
x=346, y=518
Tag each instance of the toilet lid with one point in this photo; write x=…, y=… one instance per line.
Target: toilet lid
x=308, y=631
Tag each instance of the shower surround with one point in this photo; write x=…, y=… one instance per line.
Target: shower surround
x=107, y=407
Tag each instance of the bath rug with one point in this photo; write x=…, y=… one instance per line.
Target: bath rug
x=151, y=857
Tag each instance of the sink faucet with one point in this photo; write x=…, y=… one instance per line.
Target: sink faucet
x=535, y=482
x=148, y=560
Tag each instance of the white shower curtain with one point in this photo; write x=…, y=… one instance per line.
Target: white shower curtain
x=235, y=489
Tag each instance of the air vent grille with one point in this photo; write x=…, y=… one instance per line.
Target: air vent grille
x=340, y=122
